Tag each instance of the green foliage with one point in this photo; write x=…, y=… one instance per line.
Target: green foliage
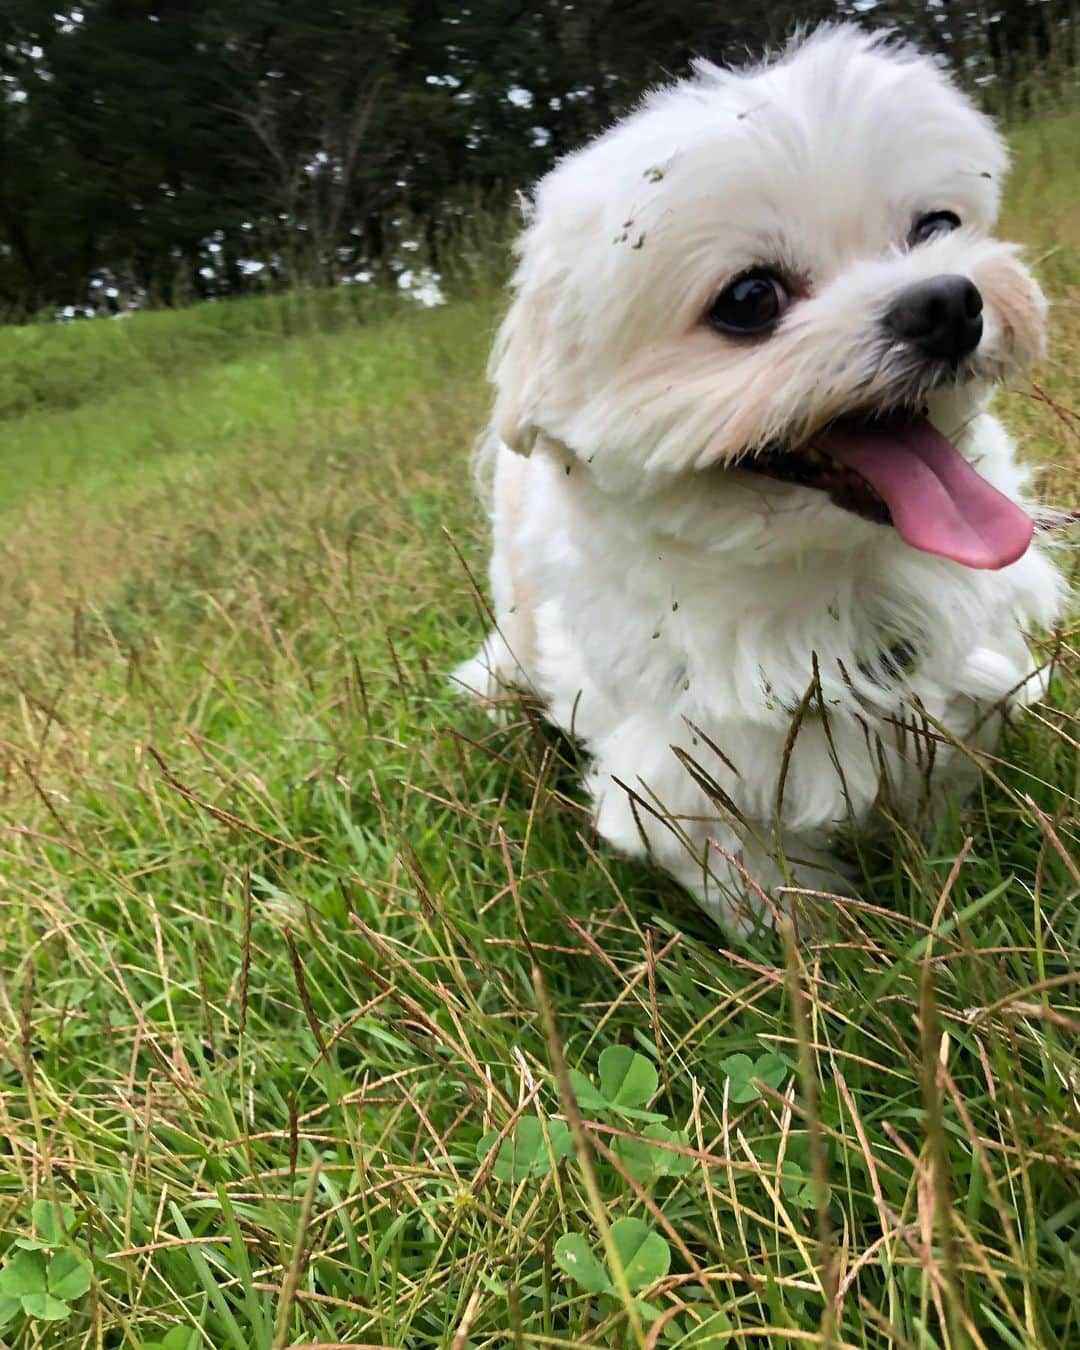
x=709, y=1333
x=51, y=1225
x=45, y=1273
x=745, y=1074
x=628, y=1080
x=529, y=1150
x=654, y=1153
x=179, y=1338
x=42, y=1287
x=213, y=148
x=643, y=1257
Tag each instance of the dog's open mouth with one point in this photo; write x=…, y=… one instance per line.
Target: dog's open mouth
x=902, y=471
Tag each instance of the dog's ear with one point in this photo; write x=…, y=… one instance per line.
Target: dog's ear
x=522, y=365
x=517, y=361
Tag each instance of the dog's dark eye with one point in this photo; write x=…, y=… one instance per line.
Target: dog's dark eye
x=751, y=304
x=932, y=226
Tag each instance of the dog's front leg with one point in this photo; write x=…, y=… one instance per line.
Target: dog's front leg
x=652, y=799
x=648, y=803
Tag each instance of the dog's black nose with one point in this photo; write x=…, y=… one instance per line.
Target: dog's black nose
x=942, y=317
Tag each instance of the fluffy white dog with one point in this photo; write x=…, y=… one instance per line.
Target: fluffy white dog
x=757, y=541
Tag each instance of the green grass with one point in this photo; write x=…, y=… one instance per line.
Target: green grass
x=300, y=953
x=48, y=365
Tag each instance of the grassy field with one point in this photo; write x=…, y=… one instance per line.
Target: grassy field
x=301, y=956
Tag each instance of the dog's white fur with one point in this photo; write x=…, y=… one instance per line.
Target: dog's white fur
x=665, y=604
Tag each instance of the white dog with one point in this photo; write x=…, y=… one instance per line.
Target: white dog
x=757, y=541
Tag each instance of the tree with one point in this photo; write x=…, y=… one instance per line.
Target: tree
x=171, y=149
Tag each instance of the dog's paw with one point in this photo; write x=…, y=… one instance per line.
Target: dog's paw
x=491, y=678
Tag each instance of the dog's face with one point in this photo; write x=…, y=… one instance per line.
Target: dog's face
x=781, y=280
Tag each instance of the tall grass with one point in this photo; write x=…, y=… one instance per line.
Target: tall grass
x=319, y=999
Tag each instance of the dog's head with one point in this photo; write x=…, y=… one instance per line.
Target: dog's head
x=782, y=277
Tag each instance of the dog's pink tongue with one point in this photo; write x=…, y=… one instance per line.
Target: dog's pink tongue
x=939, y=503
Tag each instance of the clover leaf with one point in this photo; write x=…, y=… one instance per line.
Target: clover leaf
x=771, y=1069
x=44, y=1307
x=741, y=1070
x=23, y=1275
x=797, y=1186
x=179, y=1338
x=627, y=1081
x=573, y=1256
x=643, y=1160
x=51, y=1222
x=644, y=1255
x=42, y=1287
x=713, y=1332
x=68, y=1276
x=588, y=1097
x=524, y=1152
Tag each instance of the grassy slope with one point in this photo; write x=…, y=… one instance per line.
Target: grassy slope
x=273, y=898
